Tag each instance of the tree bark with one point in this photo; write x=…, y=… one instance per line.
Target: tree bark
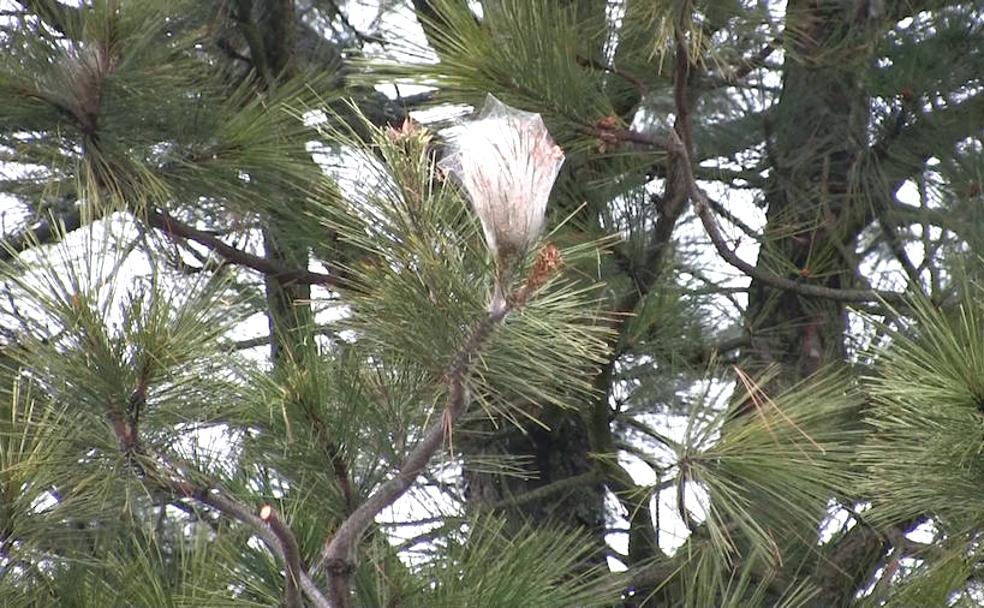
x=816, y=140
x=817, y=137
x=547, y=456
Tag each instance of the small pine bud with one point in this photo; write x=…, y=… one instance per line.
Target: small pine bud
x=408, y=130
x=548, y=262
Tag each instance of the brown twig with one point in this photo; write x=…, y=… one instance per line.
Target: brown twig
x=703, y=210
x=681, y=85
x=681, y=144
x=642, y=542
x=739, y=72
x=892, y=563
x=281, y=542
x=338, y=553
x=605, y=134
x=292, y=555
x=174, y=228
x=723, y=212
x=218, y=500
x=334, y=455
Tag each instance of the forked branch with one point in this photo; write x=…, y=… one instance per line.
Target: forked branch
x=274, y=533
x=338, y=554
x=703, y=210
x=177, y=229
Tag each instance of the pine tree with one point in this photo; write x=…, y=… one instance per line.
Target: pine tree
x=704, y=269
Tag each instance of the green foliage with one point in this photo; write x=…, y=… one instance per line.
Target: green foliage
x=527, y=54
x=137, y=119
x=136, y=445
x=422, y=278
x=931, y=582
x=791, y=452
x=926, y=416
x=541, y=561
x=705, y=580
x=97, y=412
x=140, y=372
x=763, y=469
x=139, y=572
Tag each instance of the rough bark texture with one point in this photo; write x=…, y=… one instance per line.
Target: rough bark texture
x=290, y=317
x=816, y=143
x=547, y=456
x=816, y=140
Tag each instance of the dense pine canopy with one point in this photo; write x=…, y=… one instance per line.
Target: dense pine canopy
x=276, y=329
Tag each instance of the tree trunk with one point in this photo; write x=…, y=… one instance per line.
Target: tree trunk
x=816, y=141
x=815, y=146
x=547, y=456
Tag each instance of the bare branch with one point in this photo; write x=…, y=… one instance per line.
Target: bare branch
x=606, y=133
x=703, y=210
x=702, y=206
x=47, y=231
x=723, y=212
x=218, y=500
x=179, y=230
x=338, y=554
x=292, y=555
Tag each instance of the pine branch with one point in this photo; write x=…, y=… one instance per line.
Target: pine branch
x=254, y=40
x=607, y=134
x=738, y=73
x=681, y=84
x=292, y=555
x=214, y=497
x=45, y=232
x=723, y=212
x=854, y=559
x=901, y=155
x=561, y=485
x=338, y=554
x=62, y=18
x=897, y=11
x=277, y=537
x=432, y=21
x=323, y=330
x=335, y=456
x=425, y=537
x=883, y=586
x=703, y=210
x=642, y=543
x=336, y=11
x=176, y=229
x=681, y=143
